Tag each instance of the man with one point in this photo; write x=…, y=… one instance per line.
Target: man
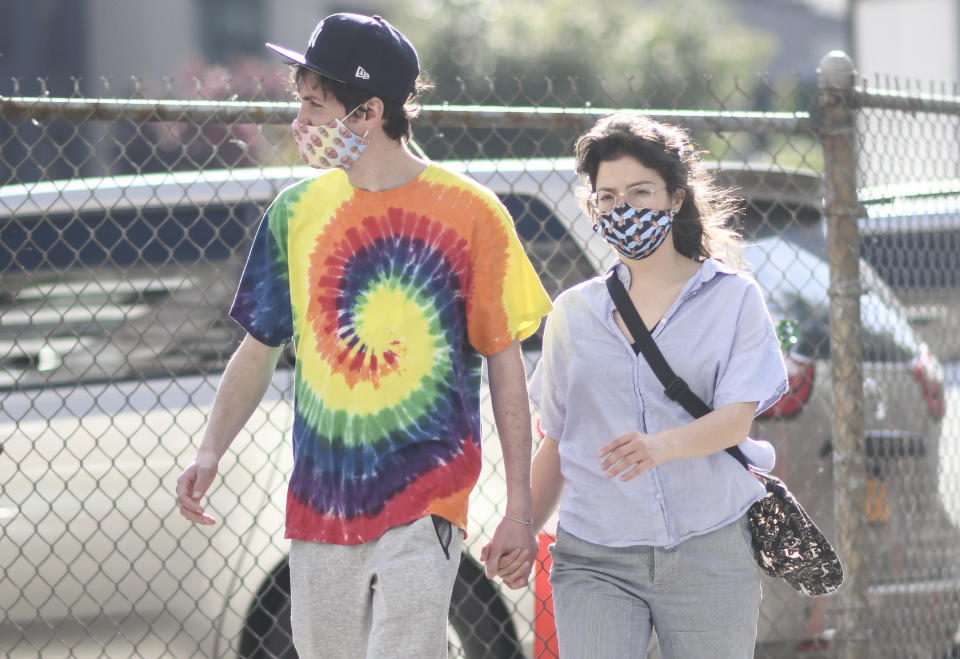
x=392, y=276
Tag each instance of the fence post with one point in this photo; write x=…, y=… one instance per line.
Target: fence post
x=837, y=132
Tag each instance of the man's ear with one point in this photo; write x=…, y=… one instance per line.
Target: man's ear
x=370, y=112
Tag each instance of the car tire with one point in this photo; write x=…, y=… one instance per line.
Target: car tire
x=478, y=615
x=266, y=630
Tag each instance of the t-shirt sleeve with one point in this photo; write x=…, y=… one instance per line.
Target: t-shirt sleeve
x=755, y=369
x=505, y=299
x=262, y=304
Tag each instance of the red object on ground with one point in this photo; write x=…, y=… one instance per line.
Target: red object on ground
x=544, y=629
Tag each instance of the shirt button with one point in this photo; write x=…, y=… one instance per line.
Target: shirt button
x=659, y=496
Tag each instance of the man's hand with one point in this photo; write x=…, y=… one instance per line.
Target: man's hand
x=192, y=484
x=510, y=554
x=241, y=388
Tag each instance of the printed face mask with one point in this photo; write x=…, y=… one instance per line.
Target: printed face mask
x=634, y=233
x=330, y=145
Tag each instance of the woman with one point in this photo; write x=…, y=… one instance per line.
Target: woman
x=652, y=531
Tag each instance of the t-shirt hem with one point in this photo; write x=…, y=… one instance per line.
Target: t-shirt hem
x=339, y=538
x=530, y=323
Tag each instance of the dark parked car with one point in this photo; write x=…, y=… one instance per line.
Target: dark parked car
x=911, y=236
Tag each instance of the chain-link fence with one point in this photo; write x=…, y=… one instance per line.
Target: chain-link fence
x=123, y=227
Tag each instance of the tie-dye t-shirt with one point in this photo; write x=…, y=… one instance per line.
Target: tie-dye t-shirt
x=390, y=298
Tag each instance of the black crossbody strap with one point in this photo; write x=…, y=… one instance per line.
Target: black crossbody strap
x=674, y=387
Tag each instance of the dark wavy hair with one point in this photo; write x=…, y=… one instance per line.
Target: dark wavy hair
x=397, y=118
x=703, y=227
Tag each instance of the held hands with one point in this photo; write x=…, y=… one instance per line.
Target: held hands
x=192, y=485
x=510, y=554
x=513, y=568
x=630, y=455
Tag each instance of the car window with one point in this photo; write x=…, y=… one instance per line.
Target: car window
x=911, y=235
x=796, y=282
x=555, y=255
x=125, y=236
x=114, y=294
x=924, y=259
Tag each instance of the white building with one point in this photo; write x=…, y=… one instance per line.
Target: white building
x=910, y=46
x=907, y=39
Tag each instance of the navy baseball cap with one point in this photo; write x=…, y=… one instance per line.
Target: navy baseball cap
x=364, y=51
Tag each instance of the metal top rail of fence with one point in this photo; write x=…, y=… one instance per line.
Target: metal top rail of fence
x=264, y=112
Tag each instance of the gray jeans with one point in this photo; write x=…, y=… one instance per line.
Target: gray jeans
x=385, y=598
x=702, y=597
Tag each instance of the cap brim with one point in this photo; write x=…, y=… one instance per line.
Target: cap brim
x=301, y=59
x=291, y=55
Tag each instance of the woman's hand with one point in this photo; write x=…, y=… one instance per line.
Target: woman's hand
x=634, y=453
x=630, y=455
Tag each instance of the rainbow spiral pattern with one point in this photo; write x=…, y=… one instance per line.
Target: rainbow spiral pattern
x=391, y=298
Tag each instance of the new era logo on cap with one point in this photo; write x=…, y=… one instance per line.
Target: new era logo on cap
x=361, y=73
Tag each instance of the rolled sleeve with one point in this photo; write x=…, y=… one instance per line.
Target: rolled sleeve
x=755, y=370
x=545, y=387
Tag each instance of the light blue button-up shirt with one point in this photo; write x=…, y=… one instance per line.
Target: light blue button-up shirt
x=590, y=387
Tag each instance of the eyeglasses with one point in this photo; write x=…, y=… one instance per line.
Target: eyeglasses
x=638, y=197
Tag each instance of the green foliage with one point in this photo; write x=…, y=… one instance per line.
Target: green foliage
x=611, y=53
x=788, y=331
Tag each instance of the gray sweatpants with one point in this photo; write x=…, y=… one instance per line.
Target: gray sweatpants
x=385, y=598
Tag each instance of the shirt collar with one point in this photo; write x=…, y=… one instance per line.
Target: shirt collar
x=709, y=268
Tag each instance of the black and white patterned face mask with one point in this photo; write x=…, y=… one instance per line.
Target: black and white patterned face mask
x=635, y=233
